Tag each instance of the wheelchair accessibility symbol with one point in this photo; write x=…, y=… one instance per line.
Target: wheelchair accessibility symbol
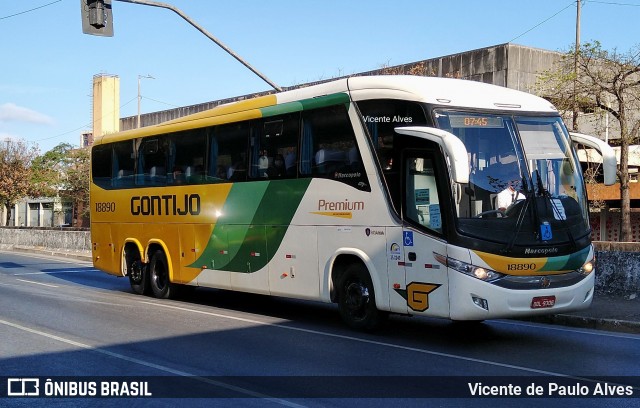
x=407, y=238
x=545, y=231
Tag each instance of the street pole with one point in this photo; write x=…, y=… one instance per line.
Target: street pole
x=208, y=35
x=140, y=96
x=575, y=67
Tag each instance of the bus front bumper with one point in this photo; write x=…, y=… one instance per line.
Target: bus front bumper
x=473, y=299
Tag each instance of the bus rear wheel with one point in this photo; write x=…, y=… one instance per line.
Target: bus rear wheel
x=161, y=286
x=139, y=277
x=356, y=299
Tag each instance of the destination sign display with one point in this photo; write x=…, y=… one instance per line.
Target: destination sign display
x=475, y=121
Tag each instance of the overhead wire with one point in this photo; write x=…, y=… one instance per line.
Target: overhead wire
x=542, y=22
x=30, y=10
x=611, y=3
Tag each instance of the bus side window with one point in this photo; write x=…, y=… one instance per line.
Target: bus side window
x=101, y=166
x=273, y=147
x=152, y=162
x=123, y=164
x=329, y=148
x=227, y=158
x=186, y=157
x=381, y=116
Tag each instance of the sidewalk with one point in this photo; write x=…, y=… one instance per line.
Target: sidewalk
x=611, y=313
x=77, y=255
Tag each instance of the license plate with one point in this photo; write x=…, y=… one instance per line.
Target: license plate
x=542, y=302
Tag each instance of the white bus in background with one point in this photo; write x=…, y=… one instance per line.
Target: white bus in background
x=384, y=194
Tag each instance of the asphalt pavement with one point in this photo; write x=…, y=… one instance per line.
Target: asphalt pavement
x=611, y=313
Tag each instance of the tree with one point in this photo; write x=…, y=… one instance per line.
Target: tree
x=47, y=171
x=64, y=171
x=606, y=80
x=15, y=172
x=75, y=184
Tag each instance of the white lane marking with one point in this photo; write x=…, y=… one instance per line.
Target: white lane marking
x=38, y=283
x=159, y=367
x=374, y=342
x=52, y=273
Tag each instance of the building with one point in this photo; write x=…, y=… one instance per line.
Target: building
x=106, y=104
x=40, y=212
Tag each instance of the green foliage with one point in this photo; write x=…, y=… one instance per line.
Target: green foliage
x=15, y=170
x=75, y=183
x=63, y=171
x=48, y=170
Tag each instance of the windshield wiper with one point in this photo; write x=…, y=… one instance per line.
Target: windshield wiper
x=529, y=195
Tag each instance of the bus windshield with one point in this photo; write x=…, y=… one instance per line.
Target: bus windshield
x=524, y=178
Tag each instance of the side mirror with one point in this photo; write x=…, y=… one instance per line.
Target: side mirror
x=609, y=161
x=453, y=147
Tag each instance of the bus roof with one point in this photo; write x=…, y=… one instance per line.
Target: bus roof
x=434, y=90
x=441, y=91
x=452, y=92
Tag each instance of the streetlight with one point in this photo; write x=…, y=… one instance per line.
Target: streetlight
x=140, y=96
x=575, y=68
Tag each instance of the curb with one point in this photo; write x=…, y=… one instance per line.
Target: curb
x=81, y=256
x=615, y=325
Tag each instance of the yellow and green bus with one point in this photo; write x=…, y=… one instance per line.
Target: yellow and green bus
x=383, y=194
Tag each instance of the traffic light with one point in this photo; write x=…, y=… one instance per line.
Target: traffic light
x=97, y=18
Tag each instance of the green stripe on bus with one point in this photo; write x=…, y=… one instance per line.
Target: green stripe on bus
x=281, y=109
x=578, y=259
x=327, y=100
x=305, y=104
x=255, y=219
x=567, y=262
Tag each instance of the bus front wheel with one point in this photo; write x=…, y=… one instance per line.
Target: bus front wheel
x=161, y=287
x=356, y=299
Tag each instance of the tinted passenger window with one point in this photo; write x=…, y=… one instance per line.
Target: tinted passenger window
x=381, y=116
x=187, y=157
x=274, y=147
x=101, y=165
x=329, y=148
x=123, y=164
x=152, y=162
x=228, y=152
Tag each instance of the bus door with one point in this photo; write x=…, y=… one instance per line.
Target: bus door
x=427, y=290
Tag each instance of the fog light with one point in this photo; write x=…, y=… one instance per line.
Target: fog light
x=480, y=302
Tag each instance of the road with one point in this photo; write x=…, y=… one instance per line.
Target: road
x=65, y=321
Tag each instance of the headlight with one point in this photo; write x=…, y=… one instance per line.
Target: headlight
x=477, y=272
x=587, y=268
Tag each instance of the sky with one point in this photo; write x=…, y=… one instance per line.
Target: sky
x=47, y=63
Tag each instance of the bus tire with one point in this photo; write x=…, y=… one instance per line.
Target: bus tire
x=139, y=277
x=161, y=287
x=356, y=299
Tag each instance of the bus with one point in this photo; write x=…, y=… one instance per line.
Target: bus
x=384, y=194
